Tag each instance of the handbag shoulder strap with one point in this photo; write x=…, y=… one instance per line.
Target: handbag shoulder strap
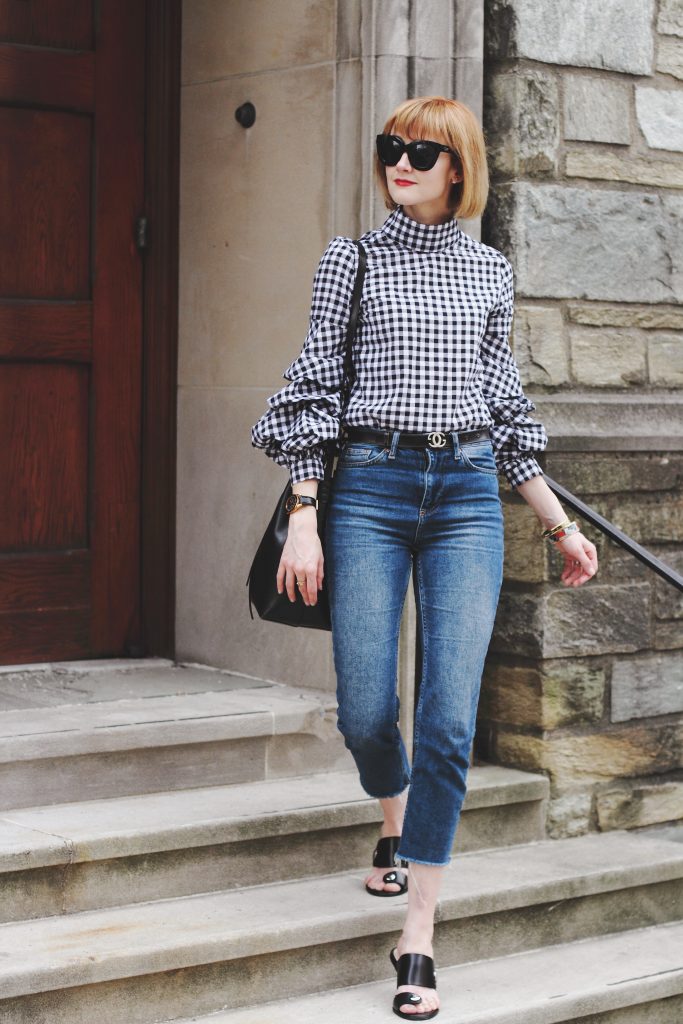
x=353, y=317
x=333, y=445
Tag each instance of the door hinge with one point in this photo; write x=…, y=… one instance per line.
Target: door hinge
x=141, y=233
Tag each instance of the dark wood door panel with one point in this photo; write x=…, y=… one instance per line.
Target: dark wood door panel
x=52, y=79
x=67, y=24
x=45, y=169
x=46, y=330
x=48, y=607
x=44, y=463
x=72, y=161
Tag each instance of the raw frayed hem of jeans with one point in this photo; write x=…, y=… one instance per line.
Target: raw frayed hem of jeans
x=429, y=863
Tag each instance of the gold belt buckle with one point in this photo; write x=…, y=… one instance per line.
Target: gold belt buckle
x=436, y=439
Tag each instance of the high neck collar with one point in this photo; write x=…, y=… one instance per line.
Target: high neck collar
x=411, y=234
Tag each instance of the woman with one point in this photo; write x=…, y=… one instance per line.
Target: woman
x=436, y=410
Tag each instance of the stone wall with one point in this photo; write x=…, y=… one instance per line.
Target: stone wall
x=583, y=115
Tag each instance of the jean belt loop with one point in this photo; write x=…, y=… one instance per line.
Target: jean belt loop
x=394, y=443
x=456, y=445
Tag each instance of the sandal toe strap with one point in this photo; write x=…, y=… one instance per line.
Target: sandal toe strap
x=407, y=999
x=395, y=876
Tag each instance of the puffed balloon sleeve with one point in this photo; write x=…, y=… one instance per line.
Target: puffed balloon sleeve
x=514, y=434
x=305, y=414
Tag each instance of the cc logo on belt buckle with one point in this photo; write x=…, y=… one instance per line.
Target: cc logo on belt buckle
x=437, y=439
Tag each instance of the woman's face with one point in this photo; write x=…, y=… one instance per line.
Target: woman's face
x=427, y=191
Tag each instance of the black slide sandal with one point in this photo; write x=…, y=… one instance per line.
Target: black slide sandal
x=383, y=857
x=413, y=969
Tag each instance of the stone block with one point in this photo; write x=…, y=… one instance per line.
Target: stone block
x=665, y=359
x=670, y=57
x=519, y=749
x=522, y=119
x=569, y=812
x=525, y=550
x=573, y=693
x=579, y=242
x=625, y=316
x=432, y=77
x=609, y=421
x=607, y=357
x=518, y=627
x=612, y=473
x=390, y=26
x=613, y=34
x=538, y=340
x=557, y=694
x=562, y=623
x=667, y=636
x=596, y=619
x=670, y=18
x=596, y=110
x=469, y=31
x=635, y=803
x=669, y=600
x=468, y=84
x=620, y=752
x=622, y=565
x=349, y=45
x=227, y=253
x=644, y=687
x=610, y=166
x=511, y=694
x=431, y=33
x=660, y=116
x=653, y=520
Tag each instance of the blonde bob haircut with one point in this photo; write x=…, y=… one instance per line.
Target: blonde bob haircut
x=449, y=121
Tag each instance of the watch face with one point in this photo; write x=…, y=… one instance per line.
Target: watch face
x=290, y=503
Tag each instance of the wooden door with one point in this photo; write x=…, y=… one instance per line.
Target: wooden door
x=72, y=124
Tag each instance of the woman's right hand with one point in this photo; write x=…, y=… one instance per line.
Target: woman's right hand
x=302, y=557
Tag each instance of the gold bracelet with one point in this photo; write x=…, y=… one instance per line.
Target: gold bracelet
x=553, y=529
x=563, y=531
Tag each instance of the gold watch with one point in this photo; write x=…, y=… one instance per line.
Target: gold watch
x=297, y=501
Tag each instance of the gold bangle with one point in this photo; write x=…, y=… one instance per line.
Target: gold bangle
x=566, y=531
x=553, y=529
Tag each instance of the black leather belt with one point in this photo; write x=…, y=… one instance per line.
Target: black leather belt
x=407, y=439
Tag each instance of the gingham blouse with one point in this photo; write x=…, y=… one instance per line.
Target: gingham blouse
x=431, y=350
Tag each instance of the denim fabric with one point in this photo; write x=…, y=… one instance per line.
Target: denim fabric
x=390, y=505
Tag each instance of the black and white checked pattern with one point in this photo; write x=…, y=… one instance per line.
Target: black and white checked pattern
x=431, y=351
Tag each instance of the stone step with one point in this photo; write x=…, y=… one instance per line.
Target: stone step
x=195, y=954
x=63, y=858
x=631, y=976
x=177, y=740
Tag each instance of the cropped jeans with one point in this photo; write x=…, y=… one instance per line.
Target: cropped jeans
x=437, y=510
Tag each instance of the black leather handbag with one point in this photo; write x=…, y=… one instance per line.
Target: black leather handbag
x=263, y=592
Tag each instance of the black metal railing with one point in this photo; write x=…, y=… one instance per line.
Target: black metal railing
x=615, y=534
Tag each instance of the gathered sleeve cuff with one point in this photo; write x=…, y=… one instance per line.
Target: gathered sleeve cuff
x=304, y=416
x=515, y=435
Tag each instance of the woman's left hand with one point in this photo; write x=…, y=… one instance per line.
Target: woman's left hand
x=580, y=560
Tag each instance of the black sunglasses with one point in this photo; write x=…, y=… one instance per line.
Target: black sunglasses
x=422, y=153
